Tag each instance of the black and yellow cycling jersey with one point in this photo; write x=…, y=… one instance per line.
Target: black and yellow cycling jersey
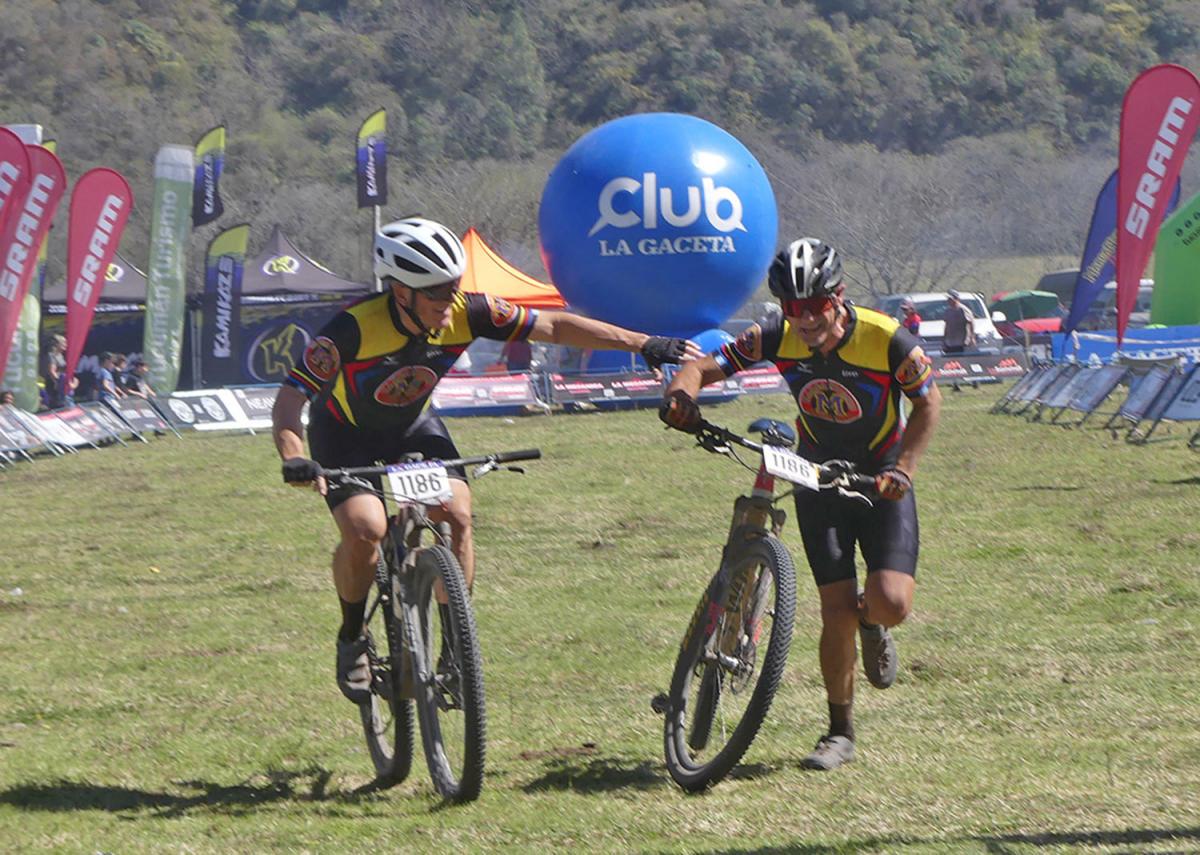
x=849, y=399
x=363, y=369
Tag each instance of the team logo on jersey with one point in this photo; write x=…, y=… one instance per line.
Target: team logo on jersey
x=914, y=368
x=408, y=384
x=321, y=358
x=830, y=401
x=503, y=312
x=749, y=344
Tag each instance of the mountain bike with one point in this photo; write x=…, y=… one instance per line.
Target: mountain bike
x=736, y=645
x=418, y=652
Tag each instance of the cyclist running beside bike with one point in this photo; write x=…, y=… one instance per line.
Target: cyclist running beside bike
x=369, y=374
x=847, y=368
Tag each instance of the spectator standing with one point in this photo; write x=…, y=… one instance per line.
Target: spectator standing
x=911, y=321
x=136, y=383
x=53, y=369
x=106, y=386
x=959, y=334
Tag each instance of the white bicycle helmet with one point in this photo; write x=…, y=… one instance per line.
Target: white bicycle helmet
x=806, y=268
x=419, y=253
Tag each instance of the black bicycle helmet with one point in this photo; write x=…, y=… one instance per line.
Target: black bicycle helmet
x=806, y=268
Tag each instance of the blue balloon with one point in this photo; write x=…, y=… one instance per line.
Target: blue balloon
x=659, y=222
x=710, y=340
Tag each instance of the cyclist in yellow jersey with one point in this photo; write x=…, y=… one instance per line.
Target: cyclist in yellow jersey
x=847, y=368
x=369, y=374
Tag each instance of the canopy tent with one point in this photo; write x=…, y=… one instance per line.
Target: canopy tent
x=282, y=273
x=124, y=287
x=491, y=274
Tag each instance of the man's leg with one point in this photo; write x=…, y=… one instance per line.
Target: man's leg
x=885, y=603
x=888, y=597
x=362, y=522
x=839, y=655
x=457, y=512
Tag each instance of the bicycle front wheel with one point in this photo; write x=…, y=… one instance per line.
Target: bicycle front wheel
x=730, y=663
x=448, y=676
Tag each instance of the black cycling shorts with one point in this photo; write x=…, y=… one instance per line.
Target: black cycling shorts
x=333, y=445
x=830, y=525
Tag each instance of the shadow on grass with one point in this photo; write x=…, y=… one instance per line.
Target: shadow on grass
x=597, y=775
x=272, y=786
x=1003, y=844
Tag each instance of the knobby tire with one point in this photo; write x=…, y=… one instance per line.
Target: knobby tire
x=689, y=732
x=456, y=770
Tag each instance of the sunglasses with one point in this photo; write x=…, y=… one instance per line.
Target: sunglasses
x=441, y=293
x=811, y=305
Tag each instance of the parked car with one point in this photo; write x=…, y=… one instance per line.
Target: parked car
x=932, y=305
x=1103, y=312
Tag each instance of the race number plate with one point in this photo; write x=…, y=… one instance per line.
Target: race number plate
x=790, y=466
x=422, y=482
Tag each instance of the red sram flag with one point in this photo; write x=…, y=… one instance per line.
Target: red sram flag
x=1158, y=120
x=25, y=228
x=14, y=173
x=100, y=206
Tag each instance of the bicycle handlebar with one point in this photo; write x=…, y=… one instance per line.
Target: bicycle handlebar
x=477, y=460
x=832, y=474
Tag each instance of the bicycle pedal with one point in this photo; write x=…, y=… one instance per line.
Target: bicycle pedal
x=660, y=703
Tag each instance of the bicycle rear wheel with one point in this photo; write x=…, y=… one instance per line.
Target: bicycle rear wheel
x=730, y=663
x=387, y=718
x=448, y=674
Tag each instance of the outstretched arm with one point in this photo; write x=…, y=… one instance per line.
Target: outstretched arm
x=564, y=328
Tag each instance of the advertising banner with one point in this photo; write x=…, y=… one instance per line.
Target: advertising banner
x=166, y=295
x=976, y=368
x=100, y=206
x=763, y=380
x=25, y=228
x=1159, y=117
x=370, y=161
x=60, y=432
x=83, y=423
x=22, y=375
x=1147, y=343
x=15, y=434
x=14, y=173
x=216, y=409
x=1101, y=383
x=1176, y=299
x=206, y=186
x=257, y=402
x=1097, y=266
x=139, y=414
x=221, y=320
x=1186, y=405
x=497, y=394
x=607, y=391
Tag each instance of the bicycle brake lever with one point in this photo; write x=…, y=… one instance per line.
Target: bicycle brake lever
x=483, y=469
x=853, y=494
x=520, y=470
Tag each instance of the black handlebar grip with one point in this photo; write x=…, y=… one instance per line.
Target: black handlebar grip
x=527, y=454
x=862, y=483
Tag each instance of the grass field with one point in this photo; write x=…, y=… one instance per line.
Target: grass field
x=166, y=666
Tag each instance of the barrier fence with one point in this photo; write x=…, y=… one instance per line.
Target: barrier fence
x=1157, y=392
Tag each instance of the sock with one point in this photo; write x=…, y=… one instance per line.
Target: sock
x=841, y=720
x=352, y=619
